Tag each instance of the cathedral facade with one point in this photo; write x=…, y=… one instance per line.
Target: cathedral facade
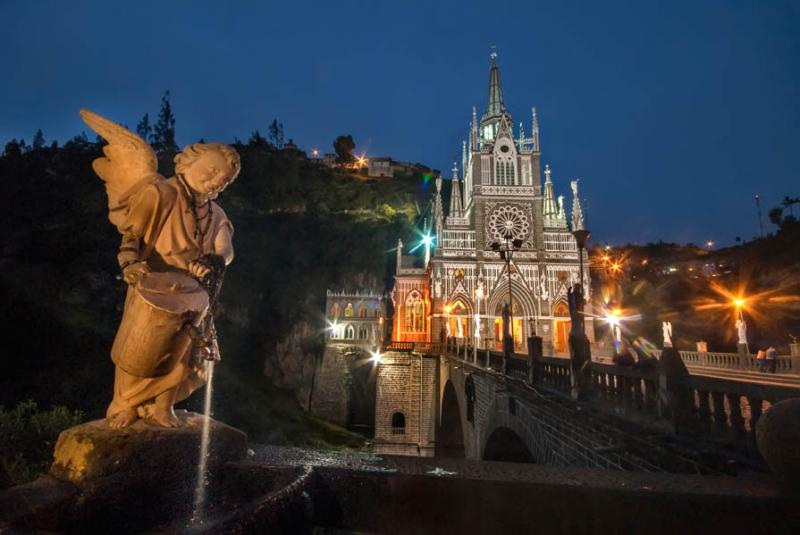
x=499, y=208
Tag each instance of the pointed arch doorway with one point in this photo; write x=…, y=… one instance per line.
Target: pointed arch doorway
x=561, y=327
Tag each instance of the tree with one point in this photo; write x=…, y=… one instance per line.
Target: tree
x=257, y=140
x=13, y=148
x=38, y=139
x=144, y=129
x=344, y=147
x=164, y=129
x=276, y=133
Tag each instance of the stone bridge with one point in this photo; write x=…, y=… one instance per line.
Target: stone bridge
x=446, y=402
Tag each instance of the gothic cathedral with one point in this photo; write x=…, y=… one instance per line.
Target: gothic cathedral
x=503, y=248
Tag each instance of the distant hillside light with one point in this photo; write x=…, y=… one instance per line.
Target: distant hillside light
x=739, y=302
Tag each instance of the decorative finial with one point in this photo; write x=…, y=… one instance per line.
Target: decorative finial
x=493, y=53
x=455, y=170
x=547, y=172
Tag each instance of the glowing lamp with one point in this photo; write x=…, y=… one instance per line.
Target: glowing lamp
x=739, y=302
x=376, y=357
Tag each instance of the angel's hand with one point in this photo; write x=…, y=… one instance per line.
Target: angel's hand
x=135, y=271
x=199, y=269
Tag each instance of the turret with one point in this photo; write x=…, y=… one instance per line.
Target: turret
x=549, y=208
x=456, y=206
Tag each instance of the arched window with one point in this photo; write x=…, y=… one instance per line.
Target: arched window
x=504, y=172
x=362, y=311
x=415, y=313
x=398, y=423
x=362, y=333
x=335, y=310
x=348, y=310
x=349, y=332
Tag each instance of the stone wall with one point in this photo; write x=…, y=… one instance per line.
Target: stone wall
x=406, y=384
x=330, y=397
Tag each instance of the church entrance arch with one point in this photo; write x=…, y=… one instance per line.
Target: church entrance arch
x=458, y=314
x=523, y=310
x=561, y=327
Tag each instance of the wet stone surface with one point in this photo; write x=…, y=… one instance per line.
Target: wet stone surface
x=512, y=472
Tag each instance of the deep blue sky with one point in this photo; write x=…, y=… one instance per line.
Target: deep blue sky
x=673, y=114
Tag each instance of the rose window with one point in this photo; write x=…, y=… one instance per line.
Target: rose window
x=508, y=221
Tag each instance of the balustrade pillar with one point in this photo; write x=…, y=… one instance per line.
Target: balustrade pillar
x=650, y=396
x=703, y=409
x=720, y=416
x=638, y=395
x=755, y=415
x=737, y=422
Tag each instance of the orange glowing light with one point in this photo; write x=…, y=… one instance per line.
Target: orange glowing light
x=739, y=302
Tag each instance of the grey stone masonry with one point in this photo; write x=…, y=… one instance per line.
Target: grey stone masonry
x=406, y=385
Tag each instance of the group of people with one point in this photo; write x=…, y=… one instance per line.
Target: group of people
x=766, y=359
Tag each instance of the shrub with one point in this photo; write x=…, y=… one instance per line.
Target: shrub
x=27, y=437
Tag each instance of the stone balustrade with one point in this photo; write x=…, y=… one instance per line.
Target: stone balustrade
x=722, y=409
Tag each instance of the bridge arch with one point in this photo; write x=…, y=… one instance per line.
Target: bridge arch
x=450, y=435
x=504, y=444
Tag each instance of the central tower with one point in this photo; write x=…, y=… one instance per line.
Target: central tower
x=497, y=193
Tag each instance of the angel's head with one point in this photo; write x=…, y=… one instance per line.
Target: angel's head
x=207, y=168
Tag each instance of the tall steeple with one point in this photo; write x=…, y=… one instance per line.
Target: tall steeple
x=438, y=210
x=474, y=130
x=577, y=212
x=464, y=159
x=495, y=108
x=456, y=206
x=535, y=126
x=549, y=209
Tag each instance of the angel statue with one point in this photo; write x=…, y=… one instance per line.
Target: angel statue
x=176, y=243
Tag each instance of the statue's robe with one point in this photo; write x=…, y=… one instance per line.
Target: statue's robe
x=159, y=226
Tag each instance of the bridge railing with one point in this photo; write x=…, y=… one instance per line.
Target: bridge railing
x=719, y=408
x=787, y=364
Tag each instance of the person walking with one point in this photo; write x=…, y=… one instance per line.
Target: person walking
x=771, y=359
x=761, y=360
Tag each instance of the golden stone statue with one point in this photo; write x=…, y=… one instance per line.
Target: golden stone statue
x=176, y=242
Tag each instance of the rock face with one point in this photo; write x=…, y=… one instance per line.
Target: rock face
x=292, y=364
x=778, y=438
x=94, y=450
x=129, y=480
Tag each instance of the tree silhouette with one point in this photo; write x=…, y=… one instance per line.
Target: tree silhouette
x=164, y=129
x=144, y=129
x=276, y=133
x=344, y=147
x=38, y=139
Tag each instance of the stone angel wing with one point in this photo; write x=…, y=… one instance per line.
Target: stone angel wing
x=128, y=165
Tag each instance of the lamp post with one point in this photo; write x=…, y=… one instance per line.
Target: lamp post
x=506, y=253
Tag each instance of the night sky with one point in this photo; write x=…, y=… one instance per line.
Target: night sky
x=673, y=114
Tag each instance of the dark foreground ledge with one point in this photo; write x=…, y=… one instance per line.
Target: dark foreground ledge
x=405, y=494
x=290, y=490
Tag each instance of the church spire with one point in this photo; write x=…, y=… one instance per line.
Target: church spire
x=577, y=212
x=438, y=210
x=456, y=207
x=464, y=159
x=549, y=209
x=495, y=106
x=535, y=126
x=474, y=130
x=521, y=138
